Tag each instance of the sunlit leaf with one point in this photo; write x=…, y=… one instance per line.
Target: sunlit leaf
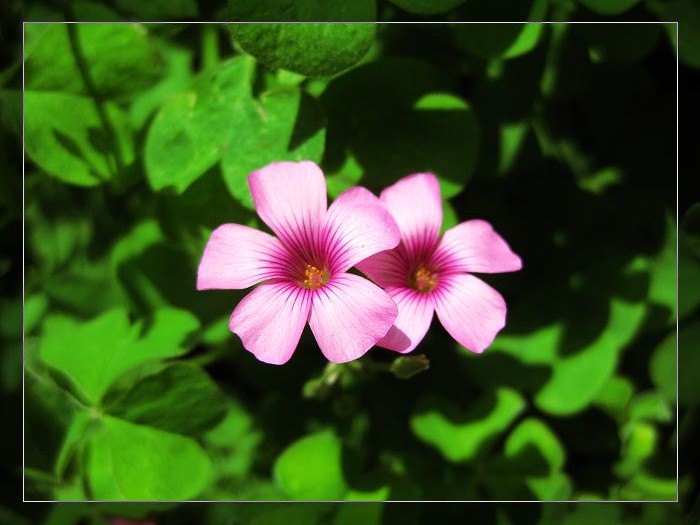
x=93, y=354
x=287, y=125
x=577, y=378
x=125, y=461
x=118, y=58
x=69, y=138
x=650, y=406
x=640, y=439
x=175, y=79
x=461, y=434
x=191, y=131
x=615, y=396
x=310, y=469
x=662, y=368
x=535, y=433
x=76, y=435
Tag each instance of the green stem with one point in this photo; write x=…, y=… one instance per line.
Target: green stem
x=210, y=46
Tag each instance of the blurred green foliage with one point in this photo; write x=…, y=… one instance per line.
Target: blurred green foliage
x=138, y=140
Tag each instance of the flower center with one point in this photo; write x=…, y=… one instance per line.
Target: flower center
x=314, y=278
x=423, y=280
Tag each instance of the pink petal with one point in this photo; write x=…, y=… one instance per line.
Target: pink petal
x=470, y=310
x=349, y=315
x=357, y=225
x=270, y=319
x=388, y=268
x=412, y=323
x=237, y=257
x=474, y=246
x=415, y=203
x=291, y=198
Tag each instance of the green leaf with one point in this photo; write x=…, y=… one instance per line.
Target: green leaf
x=427, y=7
x=662, y=285
x=192, y=130
x=599, y=514
x=221, y=121
x=646, y=486
x=490, y=41
x=640, y=439
x=687, y=14
x=288, y=125
x=386, y=121
x=309, y=49
x=310, y=469
x=140, y=256
x=119, y=58
x=57, y=240
x=615, y=395
x=125, y=461
x=11, y=315
x=439, y=135
x=176, y=79
x=650, y=406
x=233, y=443
x=461, y=436
x=662, y=368
x=535, y=433
x=536, y=347
x=77, y=432
x=66, y=136
x=11, y=111
x=608, y=7
x=534, y=458
x=365, y=513
x=577, y=378
x=449, y=216
x=88, y=11
x=179, y=398
x=74, y=289
x=94, y=354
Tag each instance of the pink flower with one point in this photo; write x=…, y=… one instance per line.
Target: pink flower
x=304, y=268
x=427, y=273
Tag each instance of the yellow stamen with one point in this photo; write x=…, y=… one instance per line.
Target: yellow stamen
x=423, y=280
x=314, y=278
